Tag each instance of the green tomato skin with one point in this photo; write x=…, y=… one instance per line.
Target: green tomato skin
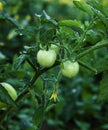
x=3, y=105
x=55, y=48
x=46, y=58
x=69, y=69
x=12, y=92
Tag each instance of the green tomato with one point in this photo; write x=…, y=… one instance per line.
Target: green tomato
x=69, y=69
x=55, y=48
x=46, y=58
x=12, y=92
x=3, y=105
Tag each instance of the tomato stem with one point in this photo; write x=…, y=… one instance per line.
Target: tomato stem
x=83, y=35
x=100, y=44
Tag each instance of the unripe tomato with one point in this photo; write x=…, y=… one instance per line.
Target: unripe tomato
x=3, y=105
x=69, y=69
x=55, y=48
x=12, y=92
x=46, y=58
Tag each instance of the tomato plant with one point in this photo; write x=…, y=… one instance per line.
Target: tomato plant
x=38, y=47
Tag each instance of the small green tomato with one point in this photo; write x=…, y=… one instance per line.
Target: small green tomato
x=69, y=69
x=3, y=105
x=46, y=58
x=12, y=92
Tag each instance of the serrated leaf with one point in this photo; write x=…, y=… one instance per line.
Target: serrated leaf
x=71, y=23
x=19, y=61
x=46, y=35
x=44, y=18
x=102, y=65
x=95, y=4
x=5, y=97
x=66, y=32
x=29, y=31
x=13, y=21
x=103, y=89
x=35, y=101
x=83, y=6
x=10, y=19
x=38, y=116
x=49, y=107
x=100, y=16
x=99, y=25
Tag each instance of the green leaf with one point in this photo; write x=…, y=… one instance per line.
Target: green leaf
x=100, y=44
x=83, y=6
x=71, y=23
x=5, y=97
x=103, y=89
x=100, y=16
x=99, y=26
x=82, y=125
x=38, y=117
x=13, y=21
x=45, y=18
x=49, y=107
x=19, y=61
x=102, y=64
x=46, y=36
x=9, y=19
x=98, y=6
x=87, y=66
x=35, y=101
x=66, y=32
x=29, y=31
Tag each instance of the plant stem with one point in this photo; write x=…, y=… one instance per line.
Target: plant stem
x=100, y=44
x=87, y=66
x=26, y=90
x=83, y=36
x=32, y=65
x=35, y=77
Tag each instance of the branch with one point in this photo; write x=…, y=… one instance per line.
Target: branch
x=100, y=44
x=35, y=77
x=87, y=66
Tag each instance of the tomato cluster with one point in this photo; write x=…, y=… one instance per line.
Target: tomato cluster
x=47, y=58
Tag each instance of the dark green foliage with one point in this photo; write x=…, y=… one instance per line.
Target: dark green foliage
x=82, y=33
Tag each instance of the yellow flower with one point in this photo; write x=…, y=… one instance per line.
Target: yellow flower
x=16, y=16
x=105, y=2
x=68, y=2
x=1, y=6
x=54, y=96
x=80, y=0
x=28, y=17
x=48, y=0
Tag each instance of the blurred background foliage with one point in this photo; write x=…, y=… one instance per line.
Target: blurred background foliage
x=77, y=108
